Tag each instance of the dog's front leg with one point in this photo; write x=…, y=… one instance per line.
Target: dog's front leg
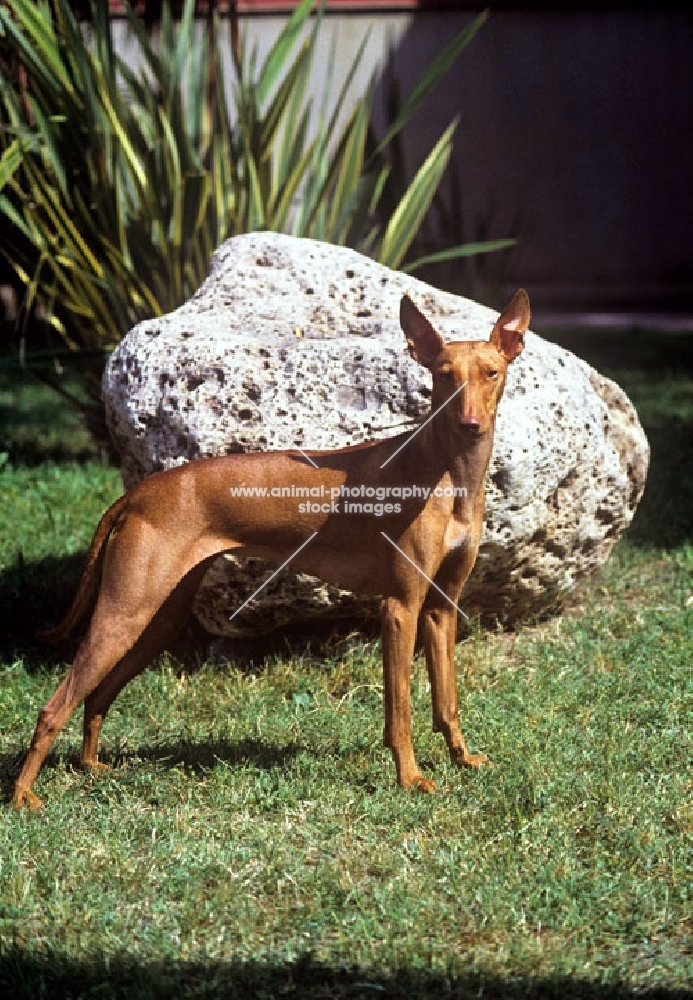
x=439, y=628
x=399, y=635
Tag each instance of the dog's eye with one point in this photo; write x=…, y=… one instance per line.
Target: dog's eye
x=492, y=373
x=445, y=372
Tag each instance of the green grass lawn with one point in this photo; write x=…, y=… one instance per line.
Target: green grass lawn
x=250, y=840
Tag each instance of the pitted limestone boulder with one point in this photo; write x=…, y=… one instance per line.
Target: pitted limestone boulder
x=293, y=342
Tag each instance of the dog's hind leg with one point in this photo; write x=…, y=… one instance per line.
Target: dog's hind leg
x=139, y=575
x=163, y=629
x=88, y=669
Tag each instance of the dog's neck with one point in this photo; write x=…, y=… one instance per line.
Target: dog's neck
x=465, y=458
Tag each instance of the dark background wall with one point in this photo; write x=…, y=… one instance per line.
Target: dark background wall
x=575, y=134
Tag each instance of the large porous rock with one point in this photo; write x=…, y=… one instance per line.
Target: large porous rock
x=293, y=342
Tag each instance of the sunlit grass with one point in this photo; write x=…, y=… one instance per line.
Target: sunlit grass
x=250, y=839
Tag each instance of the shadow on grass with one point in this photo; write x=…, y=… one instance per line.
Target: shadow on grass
x=664, y=517
x=656, y=372
x=33, y=596
x=194, y=758
x=197, y=758
x=36, y=424
x=32, y=454
x=614, y=348
x=26, y=974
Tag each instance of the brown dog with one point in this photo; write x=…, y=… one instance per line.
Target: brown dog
x=154, y=545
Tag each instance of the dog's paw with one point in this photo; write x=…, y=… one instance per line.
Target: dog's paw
x=463, y=758
x=425, y=785
x=24, y=798
x=95, y=767
x=417, y=783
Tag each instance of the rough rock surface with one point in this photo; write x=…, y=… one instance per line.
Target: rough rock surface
x=297, y=343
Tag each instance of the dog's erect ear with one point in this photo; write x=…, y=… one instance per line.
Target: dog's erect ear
x=424, y=342
x=508, y=335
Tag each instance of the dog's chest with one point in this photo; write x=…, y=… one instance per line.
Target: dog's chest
x=456, y=534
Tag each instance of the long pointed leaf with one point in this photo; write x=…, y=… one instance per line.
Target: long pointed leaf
x=281, y=209
x=407, y=217
x=430, y=79
x=350, y=170
x=280, y=103
x=50, y=142
x=291, y=138
x=37, y=42
x=280, y=50
x=10, y=162
x=465, y=250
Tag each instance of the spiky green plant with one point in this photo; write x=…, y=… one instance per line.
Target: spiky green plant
x=119, y=184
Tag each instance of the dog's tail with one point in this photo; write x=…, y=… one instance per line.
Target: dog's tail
x=90, y=576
